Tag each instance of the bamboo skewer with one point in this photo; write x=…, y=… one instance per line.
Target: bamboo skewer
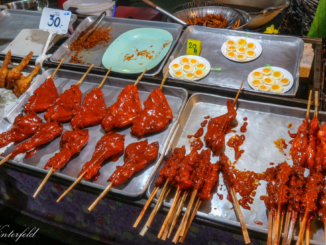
x=325, y=231
x=104, y=78
x=43, y=182
x=309, y=103
x=270, y=228
x=280, y=230
x=72, y=186
x=164, y=78
x=316, y=104
x=191, y=219
x=237, y=96
x=290, y=233
x=140, y=77
x=308, y=233
x=302, y=228
x=146, y=206
x=99, y=198
x=276, y=228
x=168, y=226
x=55, y=71
x=83, y=77
x=184, y=197
x=286, y=227
x=5, y=159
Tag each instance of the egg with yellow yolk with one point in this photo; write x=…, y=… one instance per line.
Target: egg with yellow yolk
x=257, y=75
x=250, y=53
x=184, y=61
x=241, y=50
x=241, y=57
x=285, y=81
x=256, y=83
x=269, y=81
x=231, y=48
x=188, y=68
x=250, y=46
x=193, y=62
x=263, y=88
x=230, y=43
x=277, y=88
x=200, y=66
x=189, y=76
x=231, y=55
x=241, y=42
x=176, y=67
x=278, y=75
x=266, y=71
x=178, y=74
x=199, y=73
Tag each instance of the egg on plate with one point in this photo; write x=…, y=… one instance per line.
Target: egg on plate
x=199, y=73
x=278, y=75
x=189, y=76
x=231, y=55
x=178, y=74
x=230, y=48
x=266, y=71
x=250, y=46
x=277, y=88
x=184, y=61
x=285, y=81
x=263, y=88
x=176, y=67
x=241, y=42
x=250, y=53
x=193, y=61
x=230, y=43
x=200, y=66
x=241, y=57
x=188, y=68
x=241, y=50
x=269, y=81
x=257, y=75
x=256, y=83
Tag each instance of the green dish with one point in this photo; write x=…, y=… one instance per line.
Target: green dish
x=137, y=49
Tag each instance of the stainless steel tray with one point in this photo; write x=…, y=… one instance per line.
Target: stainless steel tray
x=7, y=98
x=134, y=187
x=119, y=26
x=281, y=51
x=266, y=123
x=13, y=21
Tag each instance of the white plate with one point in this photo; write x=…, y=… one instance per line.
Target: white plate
x=258, y=49
x=200, y=59
x=286, y=74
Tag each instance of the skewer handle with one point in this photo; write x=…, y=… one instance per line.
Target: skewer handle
x=43, y=182
x=107, y=189
x=316, y=103
x=302, y=228
x=72, y=186
x=83, y=77
x=164, y=78
x=104, y=78
x=236, y=97
x=309, y=103
x=5, y=159
x=197, y=205
x=140, y=77
x=53, y=74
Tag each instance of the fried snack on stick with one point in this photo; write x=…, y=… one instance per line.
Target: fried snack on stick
x=4, y=69
x=23, y=83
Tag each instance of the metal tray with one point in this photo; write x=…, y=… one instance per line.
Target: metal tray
x=7, y=98
x=282, y=51
x=266, y=123
x=119, y=26
x=132, y=188
x=13, y=21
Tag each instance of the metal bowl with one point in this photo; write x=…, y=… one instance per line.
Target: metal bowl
x=231, y=14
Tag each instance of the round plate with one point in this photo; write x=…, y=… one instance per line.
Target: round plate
x=137, y=49
x=258, y=49
x=286, y=74
x=200, y=59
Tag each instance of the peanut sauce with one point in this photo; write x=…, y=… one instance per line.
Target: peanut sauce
x=280, y=144
x=197, y=144
x=203, y=124
x=290, y=125
x=235, y=142
x=243, y=128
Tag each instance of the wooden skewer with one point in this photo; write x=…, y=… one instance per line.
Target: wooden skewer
x=236, y=97
x=316, y=104
x=302, y=228
x=175, y=200
x=191, y=202
x=270, y=228
x=43, y=182
x=55, y=71
x=286, y=227
x=5, y=159
x=308, y=233
x=104, y=78
x=240, y=216
x=164, y=78
x=325, y=231
x=277, y=225
x=191, y=219
x=146, y=206
x=140, y=77
x=290, y=233
x=280, y=230
x=83, y=77
x=168, y=226
x=72, y=186
x=309, y=102
x=184, y=197
x=107, y=189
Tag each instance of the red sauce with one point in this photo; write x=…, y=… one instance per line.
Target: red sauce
x=155, y=116
x=228, y=131
x=292, y=135
x=137, y=156
x=290, y=142
x=259, y=223
x=235, y=142
x=124, y=111
x=72, y=142
x=245, y=119
x=197, y=144
x=290, y=125
x=271, y=163
x=203, y=124
x=220, y=196
x=207, y=117
x=190, y=136
x=243, y=128
x=2, y=154
x=110, y=145
x=281, y=145
x=199, y=133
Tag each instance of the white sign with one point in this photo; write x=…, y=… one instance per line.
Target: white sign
x=55, y=20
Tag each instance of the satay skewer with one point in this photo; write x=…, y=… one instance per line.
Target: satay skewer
x=164, y=78
x=237, y=96
x=72, y=186
x=270, y=228
x=55, y=71
x=43, y=182
x=302, y=228
x=286, y=227
x=197, y=205
x=99, y=198
x=83, y=77
x=104, y=78
x=140, y=77
x=174, y=212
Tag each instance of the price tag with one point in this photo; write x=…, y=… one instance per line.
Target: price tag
x=55, y=20
x=193, y=47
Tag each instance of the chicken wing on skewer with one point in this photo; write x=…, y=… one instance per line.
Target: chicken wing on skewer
x=23, y=83
x=15, y=73
x=4, y=69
